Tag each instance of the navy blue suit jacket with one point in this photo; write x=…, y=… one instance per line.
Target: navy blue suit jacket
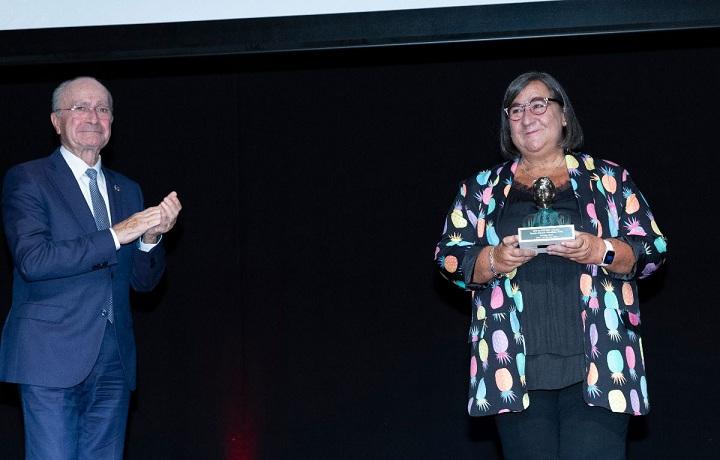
x=64, y=270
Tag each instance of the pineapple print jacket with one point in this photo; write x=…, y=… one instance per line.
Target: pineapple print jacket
x=611, y=206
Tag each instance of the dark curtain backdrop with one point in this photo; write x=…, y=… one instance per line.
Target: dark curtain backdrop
x=302, y=316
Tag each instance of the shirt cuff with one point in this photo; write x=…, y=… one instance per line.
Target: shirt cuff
x=115, y=239
x=145, y=247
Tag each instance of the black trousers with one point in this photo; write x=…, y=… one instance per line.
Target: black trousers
x=558, y=424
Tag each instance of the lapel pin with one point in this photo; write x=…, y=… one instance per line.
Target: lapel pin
x=117, y=188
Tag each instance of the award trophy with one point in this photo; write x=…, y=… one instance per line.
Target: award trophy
x=547, y=226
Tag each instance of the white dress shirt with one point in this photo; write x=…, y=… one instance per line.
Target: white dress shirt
x=78, y=168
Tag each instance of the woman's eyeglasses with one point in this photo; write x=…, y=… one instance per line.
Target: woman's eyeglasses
x=537, y=106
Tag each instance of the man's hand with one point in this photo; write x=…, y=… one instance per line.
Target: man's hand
x=169, y=209
x=131, y=228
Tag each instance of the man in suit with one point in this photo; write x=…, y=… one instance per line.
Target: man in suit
x=79, y=237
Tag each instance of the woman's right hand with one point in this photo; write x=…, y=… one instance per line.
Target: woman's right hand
x=508, y=255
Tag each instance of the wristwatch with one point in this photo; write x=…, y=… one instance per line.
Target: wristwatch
x=609, y=255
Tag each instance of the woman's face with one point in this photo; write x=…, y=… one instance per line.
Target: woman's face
x=537, y=135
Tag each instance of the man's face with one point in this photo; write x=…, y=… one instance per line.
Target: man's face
x=83, y=131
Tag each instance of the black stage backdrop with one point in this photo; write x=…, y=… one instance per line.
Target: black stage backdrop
x=302, y=316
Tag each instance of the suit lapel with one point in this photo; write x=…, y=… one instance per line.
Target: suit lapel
x=113, y=192
x=61, y=177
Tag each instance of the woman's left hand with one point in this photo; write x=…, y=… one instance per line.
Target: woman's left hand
x=584, y=249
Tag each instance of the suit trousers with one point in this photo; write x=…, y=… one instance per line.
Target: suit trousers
x=83, y=422
x=559, y=424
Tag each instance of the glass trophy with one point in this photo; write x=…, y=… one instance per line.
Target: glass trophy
x=547, y=226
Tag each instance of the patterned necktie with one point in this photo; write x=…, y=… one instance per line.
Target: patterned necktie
x=101, y=221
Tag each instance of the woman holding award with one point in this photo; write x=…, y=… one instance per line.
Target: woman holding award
x=555, y=342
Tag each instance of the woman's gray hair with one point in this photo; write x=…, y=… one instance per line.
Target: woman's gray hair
x=572, y=132
x=60, y=90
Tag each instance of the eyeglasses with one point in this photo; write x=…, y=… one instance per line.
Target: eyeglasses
x=537, y=106
x=103, y=112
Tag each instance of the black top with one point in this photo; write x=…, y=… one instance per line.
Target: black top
x=551, y=323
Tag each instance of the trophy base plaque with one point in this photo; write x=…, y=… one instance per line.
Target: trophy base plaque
x=539, y=238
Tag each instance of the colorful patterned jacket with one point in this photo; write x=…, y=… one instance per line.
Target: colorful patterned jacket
x=611, y=206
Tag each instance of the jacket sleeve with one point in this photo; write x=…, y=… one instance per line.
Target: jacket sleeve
x=35, y=252
x=459, y=246
x=637, y=227
x=147, y=266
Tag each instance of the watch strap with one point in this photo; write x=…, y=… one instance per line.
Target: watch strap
x=609, y=254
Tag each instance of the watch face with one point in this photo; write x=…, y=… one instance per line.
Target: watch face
x=609, y=257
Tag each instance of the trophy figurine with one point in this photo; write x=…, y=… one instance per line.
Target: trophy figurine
x=546, y=226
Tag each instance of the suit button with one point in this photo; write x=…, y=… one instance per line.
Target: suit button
x=104, y=313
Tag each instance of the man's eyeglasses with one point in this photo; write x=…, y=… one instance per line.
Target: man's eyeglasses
x=103, y=112
x=537, y=106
